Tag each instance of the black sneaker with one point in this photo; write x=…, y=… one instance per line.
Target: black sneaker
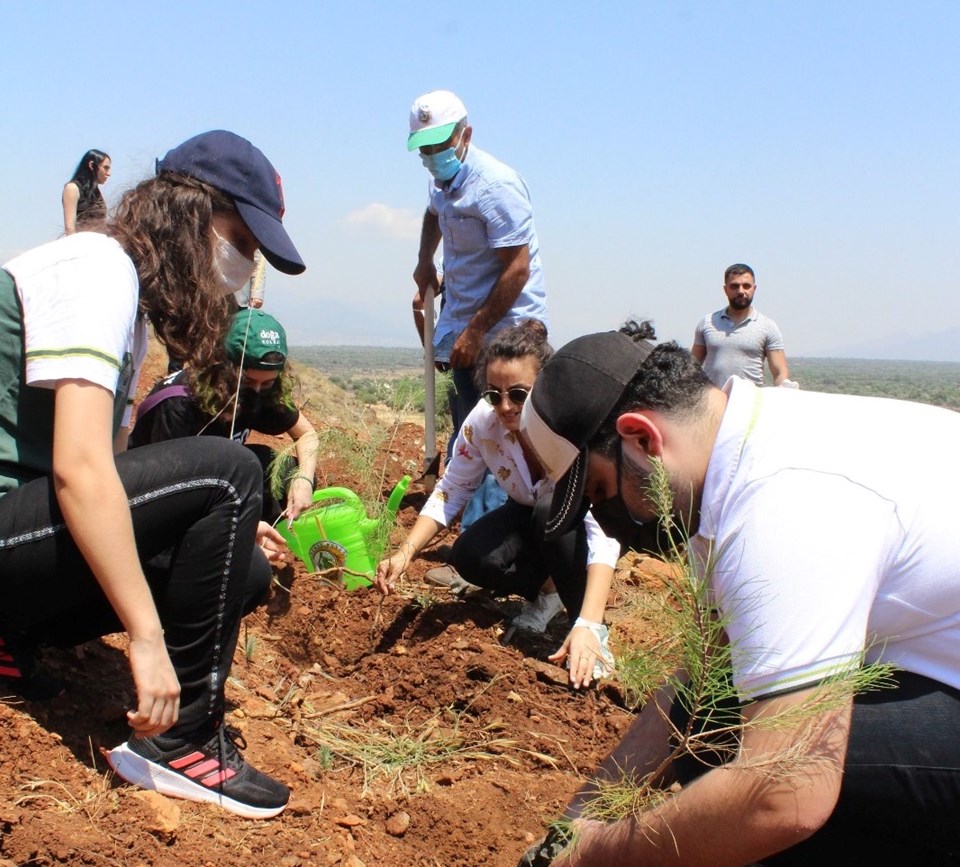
x=211, y=771
x=18, y=676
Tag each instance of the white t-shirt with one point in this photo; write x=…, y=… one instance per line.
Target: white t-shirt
x=484, y=443
x=832, y=522
x=80, y=298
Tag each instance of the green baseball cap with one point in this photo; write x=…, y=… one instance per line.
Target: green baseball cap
x=262, y=335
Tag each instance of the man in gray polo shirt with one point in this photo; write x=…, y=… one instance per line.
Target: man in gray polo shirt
x=735, y=341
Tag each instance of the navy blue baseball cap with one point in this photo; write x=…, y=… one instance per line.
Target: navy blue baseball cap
x=235, y=167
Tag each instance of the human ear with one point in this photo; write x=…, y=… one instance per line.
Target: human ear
x=642, y=430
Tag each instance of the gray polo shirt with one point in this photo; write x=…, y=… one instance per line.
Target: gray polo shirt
x=737, y=349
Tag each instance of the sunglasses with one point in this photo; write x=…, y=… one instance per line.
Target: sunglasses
x=517, y=395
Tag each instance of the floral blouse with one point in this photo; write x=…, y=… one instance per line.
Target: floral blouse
x=484, y=443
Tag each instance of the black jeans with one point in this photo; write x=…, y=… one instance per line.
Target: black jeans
x=504, y=551
x=195, y=504
x=900, y=795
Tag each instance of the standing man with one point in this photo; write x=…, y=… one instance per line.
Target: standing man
x=480, y=209
x=828, y=549
x=735, y=341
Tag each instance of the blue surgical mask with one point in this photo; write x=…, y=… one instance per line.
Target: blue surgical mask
x=444, y=165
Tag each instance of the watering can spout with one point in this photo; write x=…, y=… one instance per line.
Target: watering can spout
x=396, y=495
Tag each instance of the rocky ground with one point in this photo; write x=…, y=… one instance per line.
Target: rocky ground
x=409, y=732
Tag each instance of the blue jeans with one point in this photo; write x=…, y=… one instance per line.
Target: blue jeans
x=195, y=504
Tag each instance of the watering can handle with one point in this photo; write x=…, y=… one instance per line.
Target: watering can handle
x=335, y=494
x=396, y=495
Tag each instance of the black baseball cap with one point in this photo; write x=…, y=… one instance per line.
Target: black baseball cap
x=235, y=167
x=572, y=396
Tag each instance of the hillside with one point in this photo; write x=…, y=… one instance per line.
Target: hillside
x=409, y=733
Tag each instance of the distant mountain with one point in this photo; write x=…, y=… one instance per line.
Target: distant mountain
x=937, y=346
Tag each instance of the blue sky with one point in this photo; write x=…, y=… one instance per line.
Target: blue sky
x=815, y=140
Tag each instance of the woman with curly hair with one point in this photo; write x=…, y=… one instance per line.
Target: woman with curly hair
x=83, y=204
x=161, y=541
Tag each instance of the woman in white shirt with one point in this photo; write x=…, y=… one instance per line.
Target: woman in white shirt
x=504, y=550
x=160, y=542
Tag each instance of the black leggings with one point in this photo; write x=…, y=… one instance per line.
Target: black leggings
x=900, y=795
x=504, y=551
x=195, y=504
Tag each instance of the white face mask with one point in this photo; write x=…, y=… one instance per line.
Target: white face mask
x=235, y=268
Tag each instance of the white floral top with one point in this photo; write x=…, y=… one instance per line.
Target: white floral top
x=484, y=443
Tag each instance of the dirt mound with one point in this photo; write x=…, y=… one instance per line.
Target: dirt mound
x=409, y=733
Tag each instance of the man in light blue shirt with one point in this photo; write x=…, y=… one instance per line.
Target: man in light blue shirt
x=480, y=209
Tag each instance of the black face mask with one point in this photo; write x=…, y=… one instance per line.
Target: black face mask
x=614, y=517
x=249, y=401
x=615, y=520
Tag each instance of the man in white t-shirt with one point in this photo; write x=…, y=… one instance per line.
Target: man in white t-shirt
x=831, y=521
x=736, y=340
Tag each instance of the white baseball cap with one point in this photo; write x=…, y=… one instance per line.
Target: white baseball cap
x=433, y=117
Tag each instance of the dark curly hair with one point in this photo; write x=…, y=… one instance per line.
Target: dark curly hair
x=670, y=380
x=165, y=226
x=527, y=339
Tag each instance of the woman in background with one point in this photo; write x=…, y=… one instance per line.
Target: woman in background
x=83, y=204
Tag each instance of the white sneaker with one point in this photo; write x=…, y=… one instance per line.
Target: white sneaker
x=537, y=614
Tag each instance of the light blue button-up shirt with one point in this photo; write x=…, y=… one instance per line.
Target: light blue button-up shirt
x=485, y=207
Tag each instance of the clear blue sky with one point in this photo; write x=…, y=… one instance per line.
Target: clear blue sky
x=817, y=141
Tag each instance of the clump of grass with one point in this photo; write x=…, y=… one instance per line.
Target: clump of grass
x=325, y=758
x=249, y=644
x=403, y=754
x=52, y=794
x=424, y=599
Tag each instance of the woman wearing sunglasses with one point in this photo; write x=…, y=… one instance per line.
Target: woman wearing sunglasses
x=504, y=550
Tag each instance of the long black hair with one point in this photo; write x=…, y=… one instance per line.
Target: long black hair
x=85, y=176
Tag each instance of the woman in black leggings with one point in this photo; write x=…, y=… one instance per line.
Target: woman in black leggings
x=162, y=542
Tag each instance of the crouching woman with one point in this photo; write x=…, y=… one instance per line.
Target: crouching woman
x=504, y=550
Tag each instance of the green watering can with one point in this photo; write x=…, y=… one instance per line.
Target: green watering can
x=336, y=533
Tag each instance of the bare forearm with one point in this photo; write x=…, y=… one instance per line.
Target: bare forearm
x=503, y=295
x=306, y=447
x=640, y=751
x=777, y=362
x=599, y=579
x=423, y=531
x=430, y=236
x=771, y=810
x=693, y=828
